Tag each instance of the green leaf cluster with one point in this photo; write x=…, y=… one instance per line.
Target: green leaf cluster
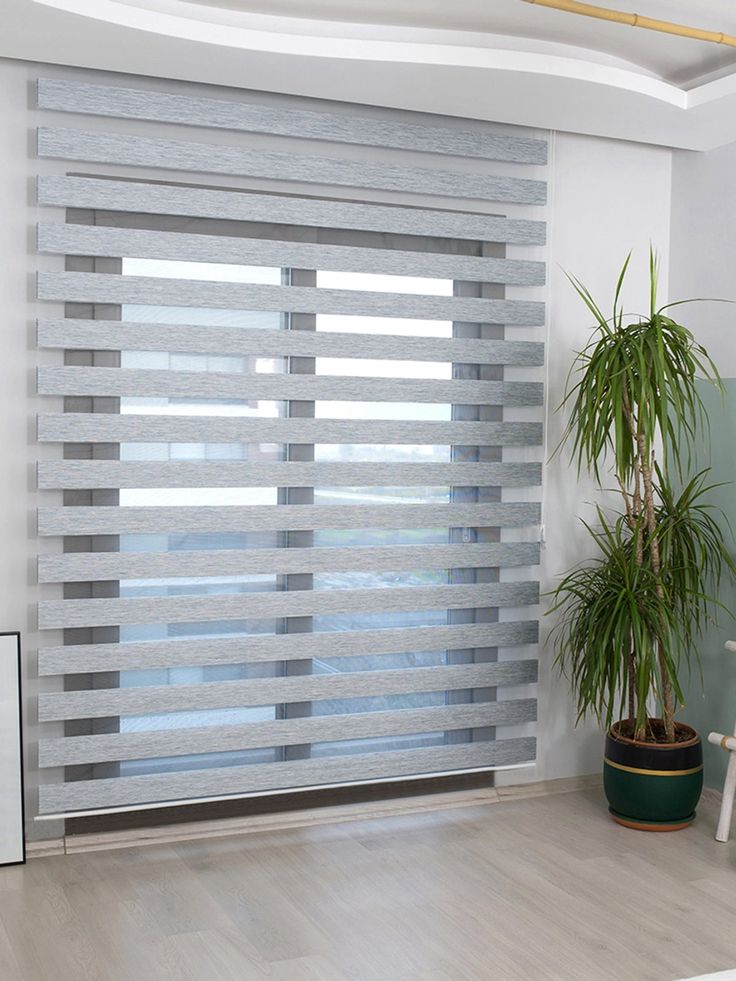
x=629, y=620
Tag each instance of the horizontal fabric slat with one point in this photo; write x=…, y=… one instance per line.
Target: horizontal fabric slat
x=94, y=474
x=257, y=648
x=168, y=107
x=183, y=155
x=122, y=335
x=198, y=202
x=98, y=240
x=80, y=427
x=151, y=383
x=106, y=288
x=81, y=566
x=105, y=520
x=55, y=614
x=104, y=702
x=223, y=781
x=70, y=751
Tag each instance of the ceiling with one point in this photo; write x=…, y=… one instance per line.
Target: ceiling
x=676, y=59
x=504, y=60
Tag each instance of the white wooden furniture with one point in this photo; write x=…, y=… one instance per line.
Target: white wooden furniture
x=12, y=842
x=729, y=787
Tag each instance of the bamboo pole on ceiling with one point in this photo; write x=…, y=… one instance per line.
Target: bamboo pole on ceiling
x=636, y=20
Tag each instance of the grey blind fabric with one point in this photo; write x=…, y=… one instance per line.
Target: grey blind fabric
x=109, y=148
x=199, y=202
x=286, y=508
x=167, y=107
x=89, y=239
x=100, y=288
x=82, y=335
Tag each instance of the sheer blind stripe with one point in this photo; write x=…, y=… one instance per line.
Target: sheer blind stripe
x=210, y=651
x=239, y=781
x=101, y=241
x=333, y=127
x=182, y=155
x=115, y=194
x=81, y=474
x=100, y=703
x=78, y=750
x=54, y=614
x=107, y=428
x=102, y=520
x=150, y=383
x=122, y=335
x=285, y=535
x=78, y=287
x=80, y=566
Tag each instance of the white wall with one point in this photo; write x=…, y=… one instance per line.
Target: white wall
x=606, y=198
x=703, y=263
x=704, y=246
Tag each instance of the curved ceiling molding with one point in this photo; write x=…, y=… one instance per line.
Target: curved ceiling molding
x=540, y=74
x=358, y=42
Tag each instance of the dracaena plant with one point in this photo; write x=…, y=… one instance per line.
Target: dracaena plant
x=630, y=619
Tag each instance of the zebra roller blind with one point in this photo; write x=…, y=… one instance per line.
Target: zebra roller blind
x=290, y=496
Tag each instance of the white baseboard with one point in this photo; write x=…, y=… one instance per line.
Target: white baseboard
x=305, y=818
x=563, y=785
x=41, y=849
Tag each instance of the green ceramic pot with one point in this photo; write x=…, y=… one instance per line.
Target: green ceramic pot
x=653, y=786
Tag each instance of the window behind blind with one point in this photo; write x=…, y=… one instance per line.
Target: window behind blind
x=295, y=535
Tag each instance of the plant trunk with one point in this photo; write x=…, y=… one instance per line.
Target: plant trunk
x=645, y=466
x=641, y=505
x=631, y=677
x=633, y=504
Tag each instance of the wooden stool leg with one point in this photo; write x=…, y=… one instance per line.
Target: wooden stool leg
x=729, y=789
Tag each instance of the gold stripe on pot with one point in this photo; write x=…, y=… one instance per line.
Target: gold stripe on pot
x=653, y=773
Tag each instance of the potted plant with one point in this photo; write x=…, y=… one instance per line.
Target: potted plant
x=630, y=619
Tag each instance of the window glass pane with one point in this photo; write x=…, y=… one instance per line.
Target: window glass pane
x=211, y=271
x=203, y=316
x=374, y=368
x=204, y=761
x=381, y=496
x=198, y=496
x=373, y=282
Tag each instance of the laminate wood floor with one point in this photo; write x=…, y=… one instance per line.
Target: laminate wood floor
x=530, y=889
